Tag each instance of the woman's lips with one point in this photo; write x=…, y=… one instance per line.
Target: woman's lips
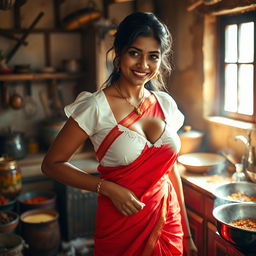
x=140, y=74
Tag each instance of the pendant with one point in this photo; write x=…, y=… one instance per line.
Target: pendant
x=138, y=111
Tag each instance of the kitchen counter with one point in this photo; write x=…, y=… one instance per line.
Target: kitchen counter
x=33, y=178
x=206, y=181
x=200, y=202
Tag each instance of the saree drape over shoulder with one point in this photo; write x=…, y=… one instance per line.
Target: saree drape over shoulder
x=156, y=229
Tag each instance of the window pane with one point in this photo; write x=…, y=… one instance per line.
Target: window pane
x=245, y=89
x=246, y=38
x=230, y=93
x=231, y=43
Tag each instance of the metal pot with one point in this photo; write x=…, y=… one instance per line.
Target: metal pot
x=243, y=239
x=224, y=190
x=49, y=129
x=13, y=144
x=191, y=140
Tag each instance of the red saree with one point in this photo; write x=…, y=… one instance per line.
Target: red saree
x=156, y=229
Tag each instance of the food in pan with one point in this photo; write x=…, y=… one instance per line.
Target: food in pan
x=249, y=223
x=243, y=197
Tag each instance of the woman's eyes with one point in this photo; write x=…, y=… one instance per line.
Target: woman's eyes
x=151, y=56
x=133, y=53
x=154, y=57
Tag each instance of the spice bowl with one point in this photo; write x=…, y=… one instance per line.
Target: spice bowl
x=9, y=220
x=7, y=203
x=36, y=200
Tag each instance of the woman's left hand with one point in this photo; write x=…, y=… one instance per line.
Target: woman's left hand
x=189, y=247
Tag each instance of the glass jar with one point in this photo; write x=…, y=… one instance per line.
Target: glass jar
x=10, y=177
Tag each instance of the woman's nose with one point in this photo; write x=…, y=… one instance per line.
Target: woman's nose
x=143, y=62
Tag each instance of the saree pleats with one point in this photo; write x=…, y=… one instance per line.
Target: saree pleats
x=154, y=230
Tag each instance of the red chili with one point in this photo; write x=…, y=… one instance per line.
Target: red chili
x=36, y=199
x=3, y=200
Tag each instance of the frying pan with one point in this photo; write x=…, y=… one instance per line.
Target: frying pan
x=224, y=190
x=243, y=239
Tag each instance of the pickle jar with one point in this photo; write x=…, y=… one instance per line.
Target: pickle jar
x=10, y=177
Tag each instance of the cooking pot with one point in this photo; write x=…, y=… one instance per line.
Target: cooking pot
x=49, y=129
x=223, y=191
x=191, y=140
x=243, y=239
x=13, y=144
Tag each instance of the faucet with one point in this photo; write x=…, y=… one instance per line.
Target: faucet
x=248, y=159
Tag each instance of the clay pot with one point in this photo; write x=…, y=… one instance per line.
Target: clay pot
x=40, y=229
x=191, y=140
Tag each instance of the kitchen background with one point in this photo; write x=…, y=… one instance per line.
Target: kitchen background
x=57, y=63
x=48, y=44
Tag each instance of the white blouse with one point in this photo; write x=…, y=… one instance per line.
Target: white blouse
x=93, y=114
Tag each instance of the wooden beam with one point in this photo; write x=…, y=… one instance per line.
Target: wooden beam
x=228, y=6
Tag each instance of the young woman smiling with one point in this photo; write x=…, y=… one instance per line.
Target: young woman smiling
x=133, y=126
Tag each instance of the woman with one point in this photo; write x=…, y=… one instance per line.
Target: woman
x=134, y=133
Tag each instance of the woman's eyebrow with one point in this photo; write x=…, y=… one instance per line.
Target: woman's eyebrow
x=133, y=47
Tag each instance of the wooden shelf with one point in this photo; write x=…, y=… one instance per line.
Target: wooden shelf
x=40, y=76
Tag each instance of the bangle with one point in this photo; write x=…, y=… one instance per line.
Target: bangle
x=99, y=185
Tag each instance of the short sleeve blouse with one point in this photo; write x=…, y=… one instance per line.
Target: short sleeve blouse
x=93, y=114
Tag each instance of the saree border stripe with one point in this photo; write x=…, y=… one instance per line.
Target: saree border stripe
x=127, y=121
x=149, y=248
x=104, y=146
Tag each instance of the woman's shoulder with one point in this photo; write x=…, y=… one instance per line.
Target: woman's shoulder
x=84, y=101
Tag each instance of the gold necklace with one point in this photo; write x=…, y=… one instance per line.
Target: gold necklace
x=137, y=108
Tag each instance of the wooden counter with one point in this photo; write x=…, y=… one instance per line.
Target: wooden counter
x=200, y=202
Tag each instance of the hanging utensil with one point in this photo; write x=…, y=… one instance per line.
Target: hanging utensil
x=16, y=100
x=45, y=102
x=30, y=106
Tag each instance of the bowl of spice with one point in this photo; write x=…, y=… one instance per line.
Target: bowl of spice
x=7, y=203
x=36, y=200
x=9, y=220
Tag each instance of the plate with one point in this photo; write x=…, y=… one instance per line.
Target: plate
x=200, y=162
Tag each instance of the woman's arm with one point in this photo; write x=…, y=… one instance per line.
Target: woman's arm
x=189, y=245
x=56, y=165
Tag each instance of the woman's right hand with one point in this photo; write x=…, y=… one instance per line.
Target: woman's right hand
x=123, y=199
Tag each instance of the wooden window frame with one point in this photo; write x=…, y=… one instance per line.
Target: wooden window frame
x=222, y=22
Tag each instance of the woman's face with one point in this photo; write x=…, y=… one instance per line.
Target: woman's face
x=141, y=61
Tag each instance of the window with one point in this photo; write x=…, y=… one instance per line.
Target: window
x=237, y=66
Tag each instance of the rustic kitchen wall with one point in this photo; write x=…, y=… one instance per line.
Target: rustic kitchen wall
x=194, y=51
x=63, y=45
x=185, y=83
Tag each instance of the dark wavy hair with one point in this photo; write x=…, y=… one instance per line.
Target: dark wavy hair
x=142, y=24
